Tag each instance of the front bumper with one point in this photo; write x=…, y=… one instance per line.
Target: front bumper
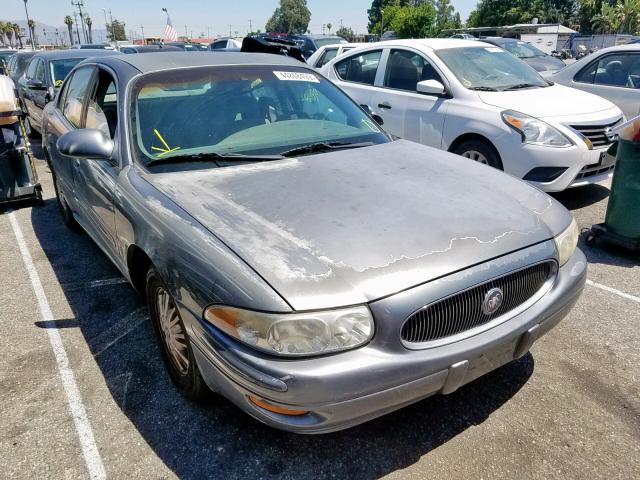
x=349, y=388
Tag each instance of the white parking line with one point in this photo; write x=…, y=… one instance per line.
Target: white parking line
x=76, y=407
x=614, y=291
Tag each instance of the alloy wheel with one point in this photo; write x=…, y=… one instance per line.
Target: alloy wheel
x=476, y=156
x=172, y=330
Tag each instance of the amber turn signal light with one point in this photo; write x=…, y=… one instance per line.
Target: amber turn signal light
x=275, y=408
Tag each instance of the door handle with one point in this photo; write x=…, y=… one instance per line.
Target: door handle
x=76, y=162
x=384, y=105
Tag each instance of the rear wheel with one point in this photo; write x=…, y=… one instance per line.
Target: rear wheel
x=480, y=151
x=65, y=211
x=171, y=333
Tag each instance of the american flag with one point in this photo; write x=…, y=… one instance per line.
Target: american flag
x=169, y=31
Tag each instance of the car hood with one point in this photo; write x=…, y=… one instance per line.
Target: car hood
x=545, y=64
x=554, y=101
x=352, y=226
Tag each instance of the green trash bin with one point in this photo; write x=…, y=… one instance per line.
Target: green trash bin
x=622, y=222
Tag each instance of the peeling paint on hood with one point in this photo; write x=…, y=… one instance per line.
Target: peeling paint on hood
x=353, y=226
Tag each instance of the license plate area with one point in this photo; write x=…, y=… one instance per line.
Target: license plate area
x=489, y=361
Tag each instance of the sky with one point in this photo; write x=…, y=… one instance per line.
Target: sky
x=200, y=16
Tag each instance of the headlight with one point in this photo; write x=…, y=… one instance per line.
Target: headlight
x=535, y=131
x=567, y=242
x=295, y=334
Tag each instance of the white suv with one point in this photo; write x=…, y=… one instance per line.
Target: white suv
x=479, y=101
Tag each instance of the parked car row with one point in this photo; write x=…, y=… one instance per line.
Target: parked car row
x=369, y=279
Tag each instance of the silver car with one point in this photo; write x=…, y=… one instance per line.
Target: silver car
x=293, y=257
x=612, y=73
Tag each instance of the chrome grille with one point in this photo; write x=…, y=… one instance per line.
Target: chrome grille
x=463, y=311
x=596, y=133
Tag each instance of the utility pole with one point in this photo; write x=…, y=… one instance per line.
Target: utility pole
x=75, y=18
x=208, y=32
x=230, y=31
x=323, y=27
x=186, y=33
x=106, y=22
x=26, y=11
x=142, y=29
x=250, y=26
x=80, y=4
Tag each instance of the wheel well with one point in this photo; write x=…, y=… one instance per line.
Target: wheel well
x=473, y=136
x=138, y=264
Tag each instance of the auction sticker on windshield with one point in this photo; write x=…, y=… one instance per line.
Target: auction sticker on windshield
x=493, y=49
x=297, y=77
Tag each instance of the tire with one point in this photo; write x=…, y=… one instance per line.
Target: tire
x=480, y=151
x=67, y=215
x=172, y=336
x=31, y=132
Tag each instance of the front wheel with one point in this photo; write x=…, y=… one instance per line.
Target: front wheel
x=481, y=152
x=174, y=341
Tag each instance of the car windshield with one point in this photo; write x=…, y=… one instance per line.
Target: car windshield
x=242, y=110
x=522, y=49
x=61, y=68
x=5, y=56
x=489, y=68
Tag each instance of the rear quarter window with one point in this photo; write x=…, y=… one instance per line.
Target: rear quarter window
x=360, y=68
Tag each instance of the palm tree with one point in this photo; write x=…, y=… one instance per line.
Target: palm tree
x=89, y=22
x=2, y=27
x=32, y=30
x=69, y=23
x=8, y=31
x=628, y=12
x=329, y=27
x=18, y=32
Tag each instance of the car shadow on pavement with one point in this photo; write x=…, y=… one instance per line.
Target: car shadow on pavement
x=581, y=197
x=216, y=439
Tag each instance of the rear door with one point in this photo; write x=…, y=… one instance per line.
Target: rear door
x=27, y=90
x=356, y=74
x=40, y=96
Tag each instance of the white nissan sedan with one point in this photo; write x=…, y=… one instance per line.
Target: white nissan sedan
x=481, y=102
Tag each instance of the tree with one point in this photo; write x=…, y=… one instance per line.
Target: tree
x=446, y=16
x=410, y=21
x=628, y=12
x=18, y=33
x=32, y=30
x=115, y=31
x=8, y=31
x=89, y=22
x=607, y=21
x=2, y=27
x=292, y=16
x=347, y=33
x=68, y=21
x=329, y=27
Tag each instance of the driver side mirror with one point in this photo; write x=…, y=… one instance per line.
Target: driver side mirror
x=86, y=143
x=35, y=84
x=430, y=87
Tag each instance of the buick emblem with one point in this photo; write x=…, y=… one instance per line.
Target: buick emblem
x=492, y=301
x=611, y=136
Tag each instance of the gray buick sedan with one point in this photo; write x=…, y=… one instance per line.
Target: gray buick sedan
x=294, y=258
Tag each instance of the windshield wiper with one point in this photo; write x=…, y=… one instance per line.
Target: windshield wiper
x=323, y=147
x=213, y=157
x=484, y=89
x=520, y=86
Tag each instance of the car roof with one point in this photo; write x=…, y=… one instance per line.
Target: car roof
x=629, y=46
x=428, y=43
x=76, y=53
x=175, y=60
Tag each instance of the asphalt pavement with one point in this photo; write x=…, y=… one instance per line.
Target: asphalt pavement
x=83, y=391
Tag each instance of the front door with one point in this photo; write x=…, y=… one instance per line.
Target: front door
x=406, y=113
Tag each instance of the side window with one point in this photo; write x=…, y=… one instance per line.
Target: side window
x=75, y=95
x=360, y=68
x=219, y=45
x=620, y=70
x=328, y=55
x=405, y=69
x=31, y=69
x=102, y=108
x=40, y=71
